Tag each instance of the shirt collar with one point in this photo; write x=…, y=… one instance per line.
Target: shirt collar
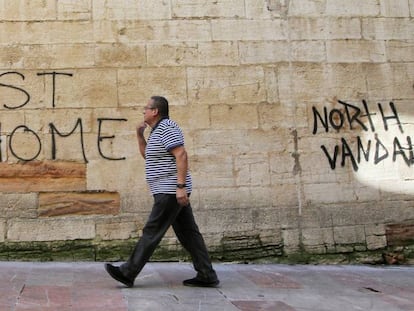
x=156, y=125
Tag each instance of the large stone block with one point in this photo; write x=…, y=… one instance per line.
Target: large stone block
x=243, y=116
x=307, y=7
x=252, y=170
x=22, y=205
x=78, y=203
x=191, y=117
x=272, y=88
x=136, y=86
x=28, y=10
x=212, y=170
x=120, y=55
x=227, y=221
x=349, y=235
x=259, y=9
x=308, y=28
x=193, y=54
x=411, y=4
x=263, y=52
x=134, y=10
x=389, y=81
x=75, y=88
x=400, y=234
x=291, y=241
x=116, y=175
x=210, y=8
x=388, y=29
x=9, y=120
x=139, y=202
x=308, y=51
x=284, y=194
x=375, y=235
x=86, y=88
x=352, y=8
x=315, y=217
x=242, y=198
x=116, y=120
x=63, y=120
x=400, y=50
x=344, y=82
x=32, y=93
x=12, y=57
x=120, y=228
x=249, y=30
x=318, y=238
x=282, y=168
x=376, y=242
x=156, y=31
x=46, y=32
x=215, y=85
x=50, y=230
x=59, y=56
x=316, y=169
x=329, y=192
x=343, y=28
x=267, y=218
x=74, y=10
x=391, y=8
x=24, y=145
x=42, y=176
x=282, y=116
x=301, y=82
x=212, y=142
x=356, y=51
x=73, y=148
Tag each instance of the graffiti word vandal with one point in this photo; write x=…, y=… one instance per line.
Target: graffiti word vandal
x=35, y=139
x=356, y=118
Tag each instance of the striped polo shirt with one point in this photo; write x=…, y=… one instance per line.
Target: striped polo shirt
x=160, y=165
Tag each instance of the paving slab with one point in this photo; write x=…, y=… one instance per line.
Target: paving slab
x=84, y=286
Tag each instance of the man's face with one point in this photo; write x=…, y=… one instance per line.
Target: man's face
x=149, y=112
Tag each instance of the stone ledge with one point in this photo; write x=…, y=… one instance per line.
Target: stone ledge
x=78, y=203
x=42, y=176
x=400, y=234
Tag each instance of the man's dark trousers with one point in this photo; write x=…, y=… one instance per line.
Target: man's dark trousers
x=166, y=212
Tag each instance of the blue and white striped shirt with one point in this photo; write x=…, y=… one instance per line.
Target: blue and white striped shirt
x=160, y=164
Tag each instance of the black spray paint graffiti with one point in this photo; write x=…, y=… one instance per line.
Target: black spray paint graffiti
x=353, y=117
x=53, y=128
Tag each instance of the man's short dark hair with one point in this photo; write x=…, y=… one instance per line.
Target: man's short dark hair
x=161, y=103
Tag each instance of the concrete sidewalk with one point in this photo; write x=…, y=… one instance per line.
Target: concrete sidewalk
x=86, y=286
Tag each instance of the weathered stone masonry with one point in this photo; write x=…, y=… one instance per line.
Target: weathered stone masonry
x=298, y=117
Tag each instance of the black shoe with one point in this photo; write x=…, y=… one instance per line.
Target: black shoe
x=116, y=273
x=196, y=282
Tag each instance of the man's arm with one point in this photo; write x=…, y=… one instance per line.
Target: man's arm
x=181, y=160
x=142, y=143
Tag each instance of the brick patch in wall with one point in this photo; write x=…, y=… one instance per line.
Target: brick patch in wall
x=42, y=176
x=400, y=234
x=78, y=203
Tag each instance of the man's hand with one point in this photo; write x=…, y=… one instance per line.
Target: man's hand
x=182, y=197
x=141, y=128
x=141, y=139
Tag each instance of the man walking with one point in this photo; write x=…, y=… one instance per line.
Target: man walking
x=169, y=180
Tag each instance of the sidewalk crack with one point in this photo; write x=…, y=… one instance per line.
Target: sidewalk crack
x=20, y=294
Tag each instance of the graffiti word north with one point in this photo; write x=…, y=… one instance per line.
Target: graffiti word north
x=355, y=150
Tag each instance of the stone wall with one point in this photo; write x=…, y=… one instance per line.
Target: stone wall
x=298, y=117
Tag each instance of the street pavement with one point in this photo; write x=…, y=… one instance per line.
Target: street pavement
x=84, y=286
